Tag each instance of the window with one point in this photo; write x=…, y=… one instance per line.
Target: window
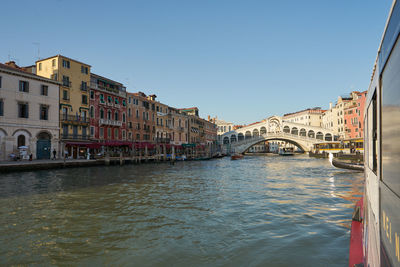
x=109, y=99
x=137, y=136
x=91, y=94
x=23, y=110
x=116, y=101
x=40, y=66
x=65, y=95
x=101, y=133
x=129, y=100
x=44, y=90
x=44, y=112
x=66, y=81
x=108, y=133
x=1, y=107
x=129, y=112
x=91, y=130
x=137, y=113
x=101, y=113
x=0, y=81
x=53, y=63
x=91, y=112
x=116, y=133
x=116, y=115
x=123, y=134
x=109, y=114
x=23, y=86
x=123, y=117
x=101, y=98
x=84, y=70
x=21, y=140
x=84, y=86
x=66, y=64
x=123, y=102
x=84, y=99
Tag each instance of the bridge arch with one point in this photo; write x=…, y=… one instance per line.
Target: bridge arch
x=303, y=147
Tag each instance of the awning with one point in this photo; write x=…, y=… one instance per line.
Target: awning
x=117, y=143
x=83, y=144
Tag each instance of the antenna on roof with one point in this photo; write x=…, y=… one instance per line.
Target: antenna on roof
x=38, y=49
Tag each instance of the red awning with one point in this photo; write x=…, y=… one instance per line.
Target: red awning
x=83, y=144
x=117, y=143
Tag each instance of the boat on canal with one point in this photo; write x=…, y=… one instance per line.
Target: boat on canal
x=345, y=165
x=236, y=156
x=375, y=228
x=286, y=151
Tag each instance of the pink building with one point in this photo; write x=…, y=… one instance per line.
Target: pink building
x=353, y=116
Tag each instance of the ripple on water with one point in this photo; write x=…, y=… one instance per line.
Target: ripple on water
x=266, y=211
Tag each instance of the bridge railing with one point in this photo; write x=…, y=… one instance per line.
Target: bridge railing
x=278, y=134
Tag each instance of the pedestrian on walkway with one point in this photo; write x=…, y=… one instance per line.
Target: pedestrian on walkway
x=54, y=154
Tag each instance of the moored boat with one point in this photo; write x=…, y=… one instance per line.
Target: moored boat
x=345, y=165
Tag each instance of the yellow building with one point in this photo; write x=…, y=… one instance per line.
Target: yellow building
x=74, y=101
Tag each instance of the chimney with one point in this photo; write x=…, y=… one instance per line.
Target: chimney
x=330, y=105
x=209, y=118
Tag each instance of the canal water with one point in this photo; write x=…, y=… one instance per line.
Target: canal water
x=258, y=211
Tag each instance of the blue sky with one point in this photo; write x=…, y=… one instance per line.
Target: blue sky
x=239, y=60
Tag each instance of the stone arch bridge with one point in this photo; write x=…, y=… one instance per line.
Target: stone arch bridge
x=274, y=128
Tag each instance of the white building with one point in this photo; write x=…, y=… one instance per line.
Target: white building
x=29, y=116
x=311, y=116
x=222, y=126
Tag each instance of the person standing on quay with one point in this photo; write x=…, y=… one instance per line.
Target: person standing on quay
x=54, y=154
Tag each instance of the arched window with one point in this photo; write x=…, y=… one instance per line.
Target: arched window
x=328, y=137
x=101, y=113
x=302, y=132
x=109, y=114
x=233, y=138
x=311, y=134
x=21, y=140
x=240, y=137
x=295, y=131
x=286, y=129
x=91, y=112
x=255, y=132
x=226, y=140
x=123, y=117
x=320, y=136
x=247, y=135
x=263, y=130
x=116, y=117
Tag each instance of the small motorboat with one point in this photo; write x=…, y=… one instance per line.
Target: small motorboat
x=236, y=156
x=345, y=165
x=286, y=151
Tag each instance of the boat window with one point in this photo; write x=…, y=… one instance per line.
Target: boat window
x=390, y=81
x=372, y=134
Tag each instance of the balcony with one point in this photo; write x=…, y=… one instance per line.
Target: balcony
x=73, y=118
x=83, y=88
x=181, y=129
x=75, y=136
x=110, y=122
x=66, y=83
x=117, y=105
x=163, y=140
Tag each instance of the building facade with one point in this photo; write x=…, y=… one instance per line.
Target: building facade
x=74, y=100
x=311, y=116
x=353, y=116
x=107, y=111
x=29, y=121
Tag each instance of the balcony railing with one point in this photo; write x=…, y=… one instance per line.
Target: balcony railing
x=83, y=88
x=110, y=122
x=66, y=83
x=73, y=118
x=163, y=140
x=75, y=136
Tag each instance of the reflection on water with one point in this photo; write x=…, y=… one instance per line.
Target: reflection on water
x=259, y=211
